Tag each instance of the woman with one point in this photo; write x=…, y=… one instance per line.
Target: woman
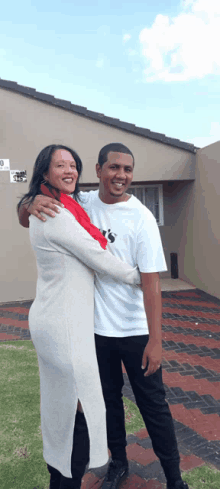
x=61, y=320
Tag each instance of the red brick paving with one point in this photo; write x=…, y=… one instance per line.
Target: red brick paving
x=17, y=310
x=142, y=433
x=123, y=368
x=153, y=484
x=90, y=480
x=144, y=457
x=133, y=482
x=8, y=337
x=190, y=339
x=188, y=383
x=189, y=462
x=185, y=312
x=187, y=293
x=136, y=482
x=14, y=322
x=206, y=362
x=140, y=455
x=191, y=303
x=206, y=425
x=193, y=325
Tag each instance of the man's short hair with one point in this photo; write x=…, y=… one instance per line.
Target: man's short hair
x=112, y=147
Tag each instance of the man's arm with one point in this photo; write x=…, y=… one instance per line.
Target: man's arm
x=153, y=308
x=41, y=203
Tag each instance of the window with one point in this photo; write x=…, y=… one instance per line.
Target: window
x=152, y=197
x=149, y=195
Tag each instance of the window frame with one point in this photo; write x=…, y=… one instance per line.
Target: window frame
x=159, y=186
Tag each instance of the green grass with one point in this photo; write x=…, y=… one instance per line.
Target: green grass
x=133, y=418
x=204, y=477
x=21, y=460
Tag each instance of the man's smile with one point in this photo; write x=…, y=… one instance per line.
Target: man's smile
x=118, y=184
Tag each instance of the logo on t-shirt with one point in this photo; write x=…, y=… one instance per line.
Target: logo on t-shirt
x=108, y=235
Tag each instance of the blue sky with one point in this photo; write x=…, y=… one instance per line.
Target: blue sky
x=153, y=64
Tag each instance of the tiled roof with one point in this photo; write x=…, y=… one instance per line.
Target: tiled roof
x=83, y=111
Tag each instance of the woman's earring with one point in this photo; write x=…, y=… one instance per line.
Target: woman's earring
x=44, y=182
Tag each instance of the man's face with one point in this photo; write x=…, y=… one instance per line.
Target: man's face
x=115, y=177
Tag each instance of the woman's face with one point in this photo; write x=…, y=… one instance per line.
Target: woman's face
x=62, y=172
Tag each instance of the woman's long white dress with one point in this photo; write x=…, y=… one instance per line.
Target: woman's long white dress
x=61, y=321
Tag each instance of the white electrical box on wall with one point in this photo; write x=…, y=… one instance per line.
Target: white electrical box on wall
x=4, y=165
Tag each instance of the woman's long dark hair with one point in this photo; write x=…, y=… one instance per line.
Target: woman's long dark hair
x=41, y=167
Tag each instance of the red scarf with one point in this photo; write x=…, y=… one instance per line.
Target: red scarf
x=78, y=212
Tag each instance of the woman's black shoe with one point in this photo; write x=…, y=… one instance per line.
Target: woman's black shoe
x=117, y=473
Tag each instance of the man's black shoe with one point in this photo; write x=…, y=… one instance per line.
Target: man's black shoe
x=117, y=473
x=179, y=485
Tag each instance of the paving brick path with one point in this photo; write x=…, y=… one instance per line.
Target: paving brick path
x=191, y=373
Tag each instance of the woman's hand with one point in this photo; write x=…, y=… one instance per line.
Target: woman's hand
x=45, y=204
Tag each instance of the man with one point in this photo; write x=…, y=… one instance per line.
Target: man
x=127, y=320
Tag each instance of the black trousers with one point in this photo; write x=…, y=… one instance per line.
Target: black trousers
x=150, y=398
x=79, y=458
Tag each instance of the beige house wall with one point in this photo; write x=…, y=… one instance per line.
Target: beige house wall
x=191, y=218
x=17, y=262
x=26, y=126
x=174, y=233
x=202, y=247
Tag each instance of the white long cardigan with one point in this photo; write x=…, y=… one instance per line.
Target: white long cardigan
x=61, y=321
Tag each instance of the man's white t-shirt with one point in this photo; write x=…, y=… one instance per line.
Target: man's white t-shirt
x=133, y=236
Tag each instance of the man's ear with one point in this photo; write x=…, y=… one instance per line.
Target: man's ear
x=98, y=170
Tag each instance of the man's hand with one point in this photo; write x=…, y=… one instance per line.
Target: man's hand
x=152, y=355
x=43, y=203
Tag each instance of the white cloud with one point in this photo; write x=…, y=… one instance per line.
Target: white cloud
x=126, y=37
x=184, y=47
x=214, y=135
x=99, y=62
x=132, y=52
